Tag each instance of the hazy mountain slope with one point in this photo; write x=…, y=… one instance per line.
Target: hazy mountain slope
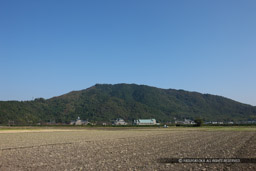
x=104, y=102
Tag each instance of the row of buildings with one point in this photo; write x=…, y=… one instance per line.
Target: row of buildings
x=118, y=121
x=230, y=122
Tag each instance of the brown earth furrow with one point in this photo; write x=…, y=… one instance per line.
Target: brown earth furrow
x=131, y=150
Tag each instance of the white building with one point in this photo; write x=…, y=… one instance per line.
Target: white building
x=145, y=122
x=185, y=122
x=188, y=121
x=119, y=121
x=79, y=122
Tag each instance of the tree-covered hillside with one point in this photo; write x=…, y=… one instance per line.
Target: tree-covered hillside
x=104, y=102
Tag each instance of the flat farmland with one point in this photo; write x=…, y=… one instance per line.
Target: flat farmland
x=125, y=148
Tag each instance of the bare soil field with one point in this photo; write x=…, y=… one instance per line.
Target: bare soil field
x=124, y=149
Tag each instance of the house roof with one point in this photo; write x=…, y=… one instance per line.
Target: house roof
x=146, y=120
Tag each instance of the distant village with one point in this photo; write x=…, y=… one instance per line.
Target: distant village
x=145, y=121
x=120, y=121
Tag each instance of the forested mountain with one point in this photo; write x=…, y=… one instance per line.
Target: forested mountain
x=105, y=102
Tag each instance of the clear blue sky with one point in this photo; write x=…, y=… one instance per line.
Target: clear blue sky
x=51, y=47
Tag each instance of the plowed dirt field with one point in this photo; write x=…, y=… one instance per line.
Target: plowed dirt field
x=124, y=149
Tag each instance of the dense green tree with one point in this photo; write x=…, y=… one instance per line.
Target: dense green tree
x=198, y=121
